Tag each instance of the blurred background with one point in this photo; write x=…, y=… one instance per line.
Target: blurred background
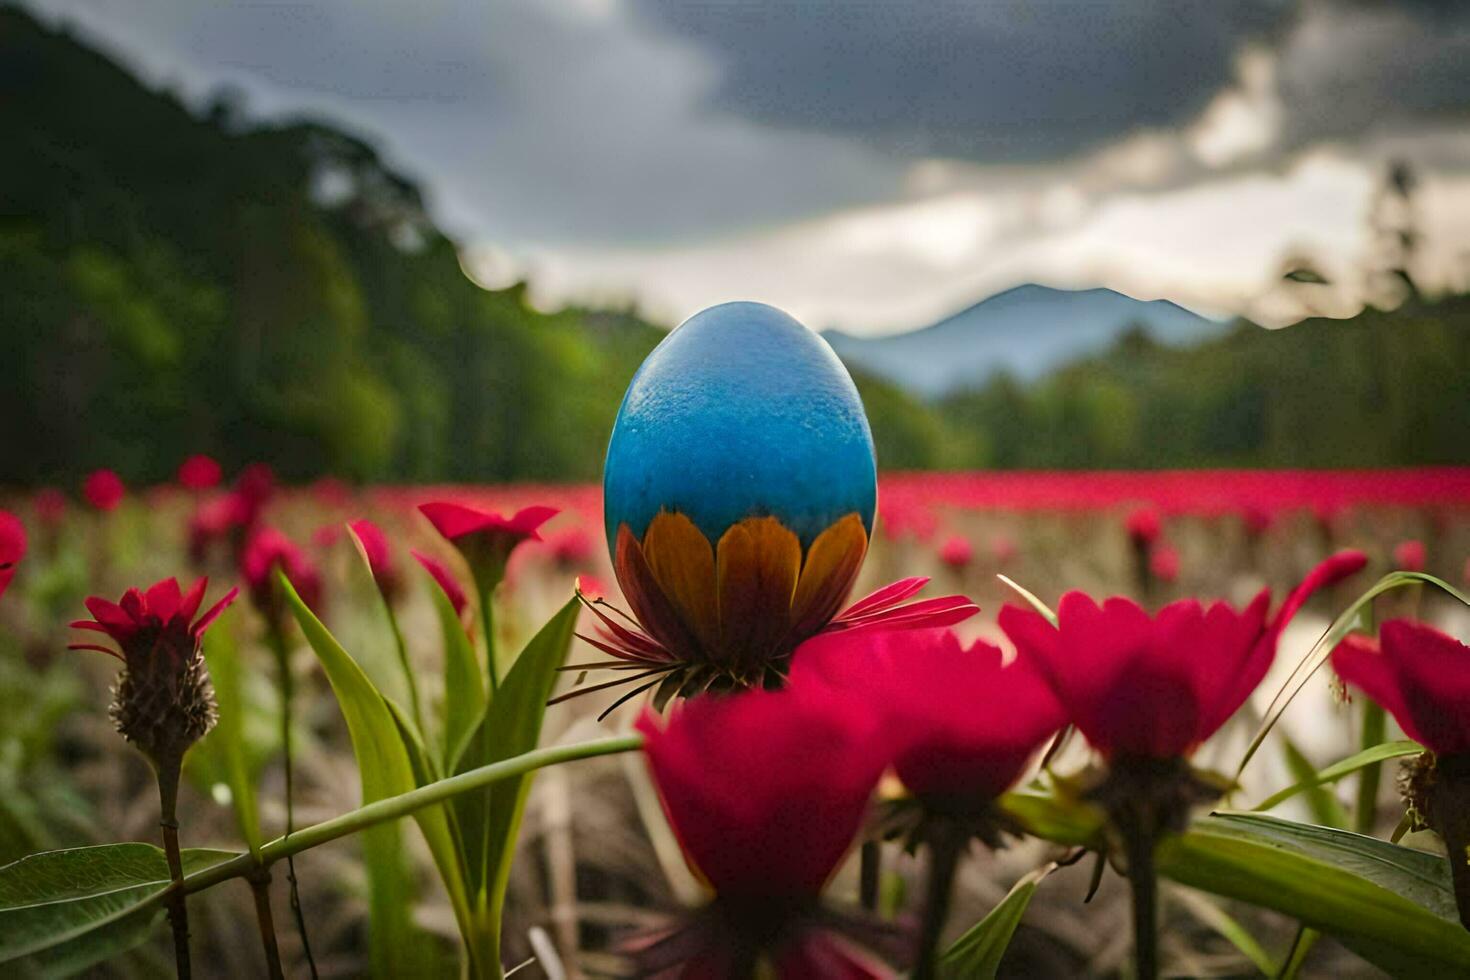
x=379, y=247
x=433, y=243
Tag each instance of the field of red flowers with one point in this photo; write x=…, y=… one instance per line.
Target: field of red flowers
x=580, y=873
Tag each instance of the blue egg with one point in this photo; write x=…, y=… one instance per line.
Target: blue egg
x=741, y=412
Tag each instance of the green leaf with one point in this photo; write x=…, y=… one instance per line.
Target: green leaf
x=227, y=741
x=1391, y=905
x=1325, y=807
x=1030, y=598
x=1334, y=772
x=464, y=686
x=65, y=910
x=512, y=727
x=1322, y=649
x=1057, y=818
x=978, y=952
x=386, y=770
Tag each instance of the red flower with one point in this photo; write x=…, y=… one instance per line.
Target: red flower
x=104, y=490
x=267, y=550
x=1257, y=519
x=1144, y=526
x=199, y=472
x=1419, y=675
x=50, y=506
x=661, y=649
x=956, y=552
x=1163, y=563
x=257, y=484
x=155, y=623
x=485, y=539
x=1409, y=555
x=226, y=519
x=12, y=547
x=163, y=702
x=964, y=723
x=441, y=573
x=1157, y=687
x=572, y=548
x=373, y=544
x=765, y=792
x=766, y=789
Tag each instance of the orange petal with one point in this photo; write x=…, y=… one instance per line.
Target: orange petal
x=832, y=564
x=758, y=562
x=654, y=612
x=683, y=562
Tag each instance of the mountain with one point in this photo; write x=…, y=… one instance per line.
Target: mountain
x=1026, y=331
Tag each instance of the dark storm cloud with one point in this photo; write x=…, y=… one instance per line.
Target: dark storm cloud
x=1029, y=79
x=1026, y=80
x=1351, y=67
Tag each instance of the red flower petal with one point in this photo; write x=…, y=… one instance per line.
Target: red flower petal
x=373, y=544
x=163, y=599
x=1420, y=675
x=961, y=722
x=214, y=613
x=441, y=574
x=12, y=547
x=765, y=790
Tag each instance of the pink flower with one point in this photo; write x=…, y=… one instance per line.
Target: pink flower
x=661, y=645
x=1157, y=687
x=963, y=725
x=373, y=544
x=956, y=552
x=152, y=624
x=486, y=539
x=1420, y=675
x=441, y=574
x=1408, y=555
x=162, y=702
x=104, y=490
x=765, y=792
x=572, y=547
x=12, y=547
x=199, y=472
x=50, y=507
x=1144, y=526
x=1163, y=562
x=256, y=484
x=1258, y=520
x=265, y=551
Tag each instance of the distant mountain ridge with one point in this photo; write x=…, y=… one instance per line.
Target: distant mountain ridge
x=1027, y=331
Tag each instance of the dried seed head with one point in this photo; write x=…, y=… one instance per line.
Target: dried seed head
x=163, y=702
x=163, y=709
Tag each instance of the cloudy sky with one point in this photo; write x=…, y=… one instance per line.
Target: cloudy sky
x=869, y=165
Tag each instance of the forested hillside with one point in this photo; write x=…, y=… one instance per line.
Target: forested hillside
x=177, y=281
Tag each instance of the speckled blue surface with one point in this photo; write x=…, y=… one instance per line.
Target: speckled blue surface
x=740, y=411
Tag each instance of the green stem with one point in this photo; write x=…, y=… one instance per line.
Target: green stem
x=413, y=684
x=404, y=804
x=279, y=647
x=178, y=909
x=1375, y=730
x=945, y=851
x=487, y=625
x=1375, y=727
x=1296, y=957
